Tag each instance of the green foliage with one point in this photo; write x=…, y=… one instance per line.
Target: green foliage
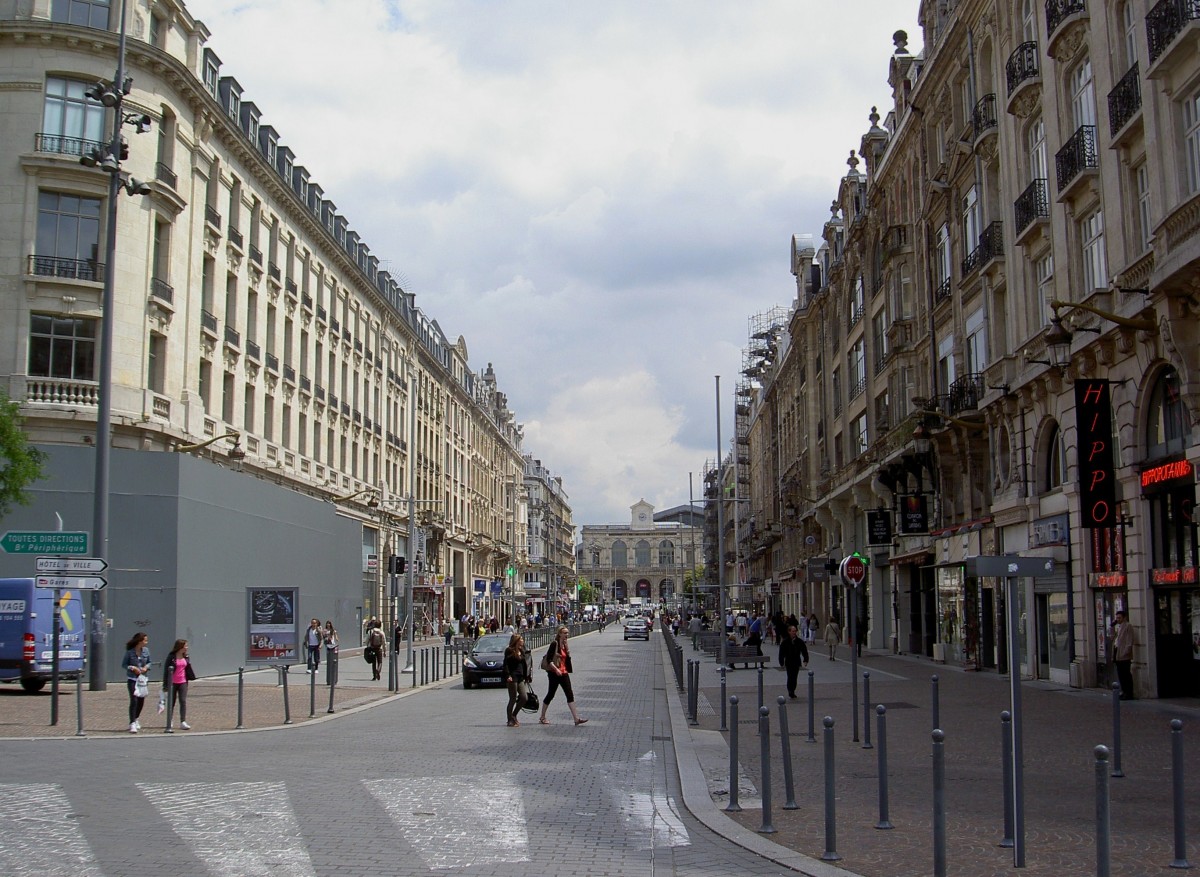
x=20, y=463
x=586, y=592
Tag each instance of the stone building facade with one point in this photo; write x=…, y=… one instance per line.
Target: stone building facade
x=993, y=350
x=647, y=559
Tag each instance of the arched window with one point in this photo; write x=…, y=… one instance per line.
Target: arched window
x=1053, y=460
x=1166, y=421
x=666, y=553
x=641, y=553
x=620, y=554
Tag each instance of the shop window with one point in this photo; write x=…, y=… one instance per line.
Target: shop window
x=1167, y=422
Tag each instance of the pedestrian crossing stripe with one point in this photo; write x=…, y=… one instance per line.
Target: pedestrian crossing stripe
x=242, y=829
x=39, y=834
x=456, y=822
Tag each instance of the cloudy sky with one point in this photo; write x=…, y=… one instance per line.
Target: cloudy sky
x=598, y=196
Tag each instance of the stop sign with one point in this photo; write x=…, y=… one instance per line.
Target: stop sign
x=854, y=571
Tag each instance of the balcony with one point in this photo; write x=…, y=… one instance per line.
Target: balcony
x=305, y=384
x=965, y=394
x=307, y=302
x=1076, y=158
x=990, y=246
x=208, y=322
x=333, y=402
x=345, y=406
x=983, y=117
x=858, y=387
x=165, y=175
x=273, y=273
x=334, y=326
x=233, y=337
x=1024, y=77
x=235, y=237
x=256, y=255
x=358, y=346
x=252, y=351
x=1124, y=102
x=68, y=269
x=941, y=292
x=273, y=363
x=60, y=145
x=319, y=392
x=1164, y=24
x=289, y=374
x=1062, y=19
x=1031, y=208
x=289, y=286
x=211, y=216
x=321, y=314
x=162, y=290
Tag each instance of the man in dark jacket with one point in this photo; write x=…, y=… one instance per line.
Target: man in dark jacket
x=794, y=654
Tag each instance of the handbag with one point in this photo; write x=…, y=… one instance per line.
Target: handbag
x=188, y=673
x=369, y=655
x=532, y=702
x=141, y=686
x=547, y=663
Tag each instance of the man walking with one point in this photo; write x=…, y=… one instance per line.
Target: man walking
x=793, y=652
x=1123, y=653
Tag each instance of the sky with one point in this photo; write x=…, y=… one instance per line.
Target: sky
x=597, y=196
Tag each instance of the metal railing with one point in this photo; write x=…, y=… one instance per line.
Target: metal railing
x=941, y=292
x=983, y=117
x=165, y=174
x=1165, y=21
x=160, y=289
x=71, y=269
x=61, y=145
x=235, y=237
x=1058, y=11
x=273, y=363
x=1022, y=64
x=208, y=320
x=965, y=393
x=211, y=216
x=1033, y=203
x=253, y=351
x=1124, y=100
x=233, y=337
x=1076, y=155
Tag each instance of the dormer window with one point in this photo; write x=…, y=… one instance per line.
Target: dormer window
x=212, y=72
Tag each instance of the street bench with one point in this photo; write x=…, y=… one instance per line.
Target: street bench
x=709, y=641
x=744, y=655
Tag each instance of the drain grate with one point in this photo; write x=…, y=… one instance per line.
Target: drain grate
x=658, y=739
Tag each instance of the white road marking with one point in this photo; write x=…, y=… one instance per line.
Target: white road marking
x=38, y=837
x=456, y=822
x=235, y=829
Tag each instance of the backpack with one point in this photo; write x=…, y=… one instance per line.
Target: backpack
x=376, y=639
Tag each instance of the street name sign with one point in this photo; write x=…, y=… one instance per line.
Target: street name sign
x=72, y=564
x=1016, y=567
x=44, y=542
x=71, y=583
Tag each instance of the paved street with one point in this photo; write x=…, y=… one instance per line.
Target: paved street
x=416, y=784
x=431, y=780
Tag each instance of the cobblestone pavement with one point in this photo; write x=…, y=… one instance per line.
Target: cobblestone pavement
x=1061, y=728
x=410, y=785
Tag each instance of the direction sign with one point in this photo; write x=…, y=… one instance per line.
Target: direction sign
x=853, y=570
x=71, y=564
x=44, y=542
x=71, y=583
x=1017, y=567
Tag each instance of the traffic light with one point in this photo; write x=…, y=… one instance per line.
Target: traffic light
x=397, y=565
x=511, y=570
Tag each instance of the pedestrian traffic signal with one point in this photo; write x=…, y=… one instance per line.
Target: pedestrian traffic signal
x=397, y=565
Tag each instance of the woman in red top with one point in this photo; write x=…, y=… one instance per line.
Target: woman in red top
x=558, y=659
x=177, y=673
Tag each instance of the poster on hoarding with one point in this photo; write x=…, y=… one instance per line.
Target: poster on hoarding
x=273, y=632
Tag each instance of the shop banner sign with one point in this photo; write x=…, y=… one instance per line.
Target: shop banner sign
x=879, y=527
x=914, y=514
x=1097, y=475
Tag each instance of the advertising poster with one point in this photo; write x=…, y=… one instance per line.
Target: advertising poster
x=273, y=635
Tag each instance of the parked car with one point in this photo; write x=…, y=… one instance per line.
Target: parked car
x=637, y=628
x=484, y=663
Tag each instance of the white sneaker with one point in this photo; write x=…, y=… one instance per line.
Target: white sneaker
x=133, y=728
x=185, y=726
x=137, y=726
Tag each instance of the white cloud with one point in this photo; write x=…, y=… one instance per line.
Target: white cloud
x=597, y=196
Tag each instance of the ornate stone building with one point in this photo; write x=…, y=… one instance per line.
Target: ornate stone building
x=645, y=559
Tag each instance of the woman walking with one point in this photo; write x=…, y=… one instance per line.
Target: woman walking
x=330, y=636
x=518, y=677
x=136, y=664
x=833, y=636
x=557, y=665
x=177, y=673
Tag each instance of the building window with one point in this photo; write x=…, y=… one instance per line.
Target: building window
x=977, y=346
x=1028, y=21
x=156, y=363
x=1191, y=140
x=206, y=384
x=945, y=364
x=72, y=117
x=68, y=235
x=1054, y=463
x=1167, y=425
x=268, y=428
x=970, y=220
x=858, y=435
x=666, y=553
x=62, y=347
x=85, y=13
x=1043, y=270
x=1091, y=236
x=942, y=263
x=227, y=391
x=1141, y=187
x=1083, y=94
x=620, y=553
x=1129, y=20
x=1035, y=149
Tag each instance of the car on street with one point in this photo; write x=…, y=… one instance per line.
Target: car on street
x=484, y=663
x=637, y=628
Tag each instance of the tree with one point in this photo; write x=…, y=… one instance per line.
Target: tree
x=20, y=463
x=586, y=592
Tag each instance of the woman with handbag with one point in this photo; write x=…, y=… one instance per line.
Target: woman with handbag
x=518, y=677
x=177, y=673
x=557, y=664
x=136, y=664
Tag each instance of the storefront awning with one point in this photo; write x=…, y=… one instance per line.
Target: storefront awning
x=918, y=556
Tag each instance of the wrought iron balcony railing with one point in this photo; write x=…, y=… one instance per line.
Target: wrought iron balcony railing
x=983, y=117
x=160, y=289
x=164, y=174
x=1057, y=11
x=1165, y=21
x=1022, y=65
x=60, y=145
x=70, y=269
x=1076, y=155
x=1033, y=203
x=1124, y=100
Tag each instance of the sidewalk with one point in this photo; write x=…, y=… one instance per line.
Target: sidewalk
x=212, y=701
x=1061, y=727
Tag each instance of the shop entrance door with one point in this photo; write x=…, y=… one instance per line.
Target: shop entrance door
x=1177, y=641
x=987, y=633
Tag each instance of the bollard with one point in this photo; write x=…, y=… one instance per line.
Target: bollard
x=939, y=804
x=1116, y=711
x=333, y=678
x=312, y=694
x=785, y=740
x=1180, y=860
x=723, y=699
x=79, y=705
x=733, y=806
x=935, y=704
x=241, y=695
x=831, y=853
x=867, y=711
x=884, y=823
x=812, y=737
x=287, y=707
x=764, y=757
x=1006, y=768
x=693, y=699
x=760, y=687
x=1103, y=826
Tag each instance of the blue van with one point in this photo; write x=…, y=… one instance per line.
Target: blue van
x=27, y=631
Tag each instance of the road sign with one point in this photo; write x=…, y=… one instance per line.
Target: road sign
x=71, y=564
x=44, y=542
x=853, y=570
x=71, y=583
x=1017, y=567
